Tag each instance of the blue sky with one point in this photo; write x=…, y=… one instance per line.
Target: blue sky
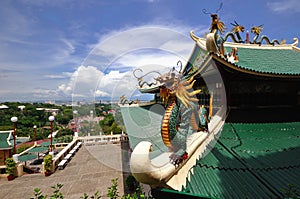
x=63, y=49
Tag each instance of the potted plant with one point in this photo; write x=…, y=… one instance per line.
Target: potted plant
x=10, y=168
x=48, y=165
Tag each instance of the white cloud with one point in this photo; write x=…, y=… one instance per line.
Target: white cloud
x=285, y=6
x=160, y=59
x=37, y=45
x=118, y=43
x=108, y=70
x=100, y=93
x=87, y=82
x=59, y=76
x=82, y=81
x=45, y=93
x=65, y=88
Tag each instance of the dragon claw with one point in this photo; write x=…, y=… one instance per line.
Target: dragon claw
x=176, y=160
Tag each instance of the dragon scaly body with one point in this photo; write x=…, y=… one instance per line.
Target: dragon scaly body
x=235, y=31
x=181, y=116
x=257, y=30
x=168, y=126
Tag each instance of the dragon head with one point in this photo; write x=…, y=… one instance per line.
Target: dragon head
x=216, y=24
x=170, y=80
x=174, y=84
x=256, y=29
x=237, y=27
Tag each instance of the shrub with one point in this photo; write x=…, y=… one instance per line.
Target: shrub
x=48, y=162
x=112, y=192
x=10, y=166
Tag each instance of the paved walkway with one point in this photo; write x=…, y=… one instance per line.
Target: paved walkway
x=84, y=174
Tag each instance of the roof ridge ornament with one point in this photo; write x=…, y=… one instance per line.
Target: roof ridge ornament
x=257, y=30
x=215, y=41
x=296, y=42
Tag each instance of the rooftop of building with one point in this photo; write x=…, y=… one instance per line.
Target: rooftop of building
x=250, y=161
x=271, y=60
x=4, y=139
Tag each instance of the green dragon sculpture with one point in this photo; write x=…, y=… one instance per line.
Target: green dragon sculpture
x=257, y=30
x=218, y=27
x=181, y=117
x=235, y=31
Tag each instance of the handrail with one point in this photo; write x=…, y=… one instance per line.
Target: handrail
x=60, y=156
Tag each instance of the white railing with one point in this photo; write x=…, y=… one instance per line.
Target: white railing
x=103, y=139
x=61, y=155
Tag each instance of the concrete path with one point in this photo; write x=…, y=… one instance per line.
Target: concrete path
x=85, y=173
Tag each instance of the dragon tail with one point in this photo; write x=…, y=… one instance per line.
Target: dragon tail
x=268, y=40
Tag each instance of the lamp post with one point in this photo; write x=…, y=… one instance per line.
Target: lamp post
x=75, y=112
x=51, y=119
x=14, y=120
x=34, y=128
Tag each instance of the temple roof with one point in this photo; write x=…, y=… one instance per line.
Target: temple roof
x=146, y=121
x=273, y=60
x=261, y=59
x=4, y=135
x=250, y=161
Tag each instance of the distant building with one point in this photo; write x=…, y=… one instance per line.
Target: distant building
x=113, y=112
x=50, y=102
x=3, y=106
x=72, y=126
x=21, y=107
x=54, y=111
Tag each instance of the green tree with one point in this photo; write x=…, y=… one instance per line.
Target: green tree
x=115, y=128
x=108, y=120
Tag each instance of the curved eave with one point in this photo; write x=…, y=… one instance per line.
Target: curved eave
x=201, y=42
x=6, y=148
x=253, y=72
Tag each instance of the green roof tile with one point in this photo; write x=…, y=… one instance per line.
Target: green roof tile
x=38, y=149
x=27, y=157
x=276, y=61
x=3, y=140
x=145, y=127
x=46, y=144
x=250, y=161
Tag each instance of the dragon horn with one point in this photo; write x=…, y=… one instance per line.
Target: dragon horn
x=195, y=92
x=191, y=85
x=205, y=12
x=221, y=5
x=190, y=80
x=185, y=103
x=138, y=69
